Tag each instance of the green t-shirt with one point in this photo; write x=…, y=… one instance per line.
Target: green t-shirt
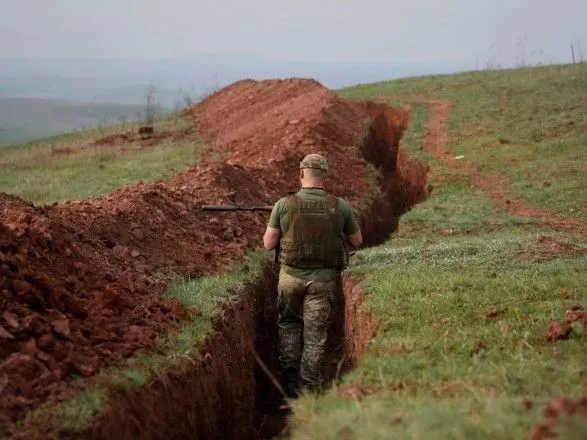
x=347, y=223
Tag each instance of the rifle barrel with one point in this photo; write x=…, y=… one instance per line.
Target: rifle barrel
x=219, y=208
x=268, y=208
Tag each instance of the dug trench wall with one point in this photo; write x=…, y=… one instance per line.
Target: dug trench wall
x=83, y=280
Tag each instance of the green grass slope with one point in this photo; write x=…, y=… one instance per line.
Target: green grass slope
x=463, y=291
x=530, y=124
x=71, y=167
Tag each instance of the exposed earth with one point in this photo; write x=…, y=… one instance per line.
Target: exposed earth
x=81, y=282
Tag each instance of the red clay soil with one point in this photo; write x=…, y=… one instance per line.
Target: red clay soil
x=550, y=247
x=361, y=327
x=561, y=407
x=576, y=314
x=81, y=282
x=495, y=186
x=554, y=331
x=271, y=125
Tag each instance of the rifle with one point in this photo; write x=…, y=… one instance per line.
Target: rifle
x=267, y=208
x=233, y=208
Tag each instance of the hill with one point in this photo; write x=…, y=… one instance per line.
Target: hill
x=125, y=80
x=475, y=325
x=467, y=322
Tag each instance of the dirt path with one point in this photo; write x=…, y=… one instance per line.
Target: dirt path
x=495, y=186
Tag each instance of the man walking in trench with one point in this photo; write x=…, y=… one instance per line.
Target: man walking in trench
x=313, y=229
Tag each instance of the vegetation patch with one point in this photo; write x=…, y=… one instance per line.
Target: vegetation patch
x=529, y=124
x=76, y=166
x=464, y=293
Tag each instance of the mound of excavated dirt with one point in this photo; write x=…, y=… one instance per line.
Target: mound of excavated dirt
x=272, y=125
x=81, y=282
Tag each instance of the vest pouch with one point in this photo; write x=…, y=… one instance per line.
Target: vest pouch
x=313, y=239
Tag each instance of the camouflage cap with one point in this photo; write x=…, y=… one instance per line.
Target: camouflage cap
x=314, y=161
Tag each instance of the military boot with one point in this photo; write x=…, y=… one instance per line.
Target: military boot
x=291, y=383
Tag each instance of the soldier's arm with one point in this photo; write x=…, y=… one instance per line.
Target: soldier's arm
x=351, y=226
x=271, y=238
x=273, y=231
x=356, y=239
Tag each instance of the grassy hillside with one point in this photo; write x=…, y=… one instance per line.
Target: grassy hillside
x=83, y=164
x=464, y=291
x=529, y=124
x=22, y=119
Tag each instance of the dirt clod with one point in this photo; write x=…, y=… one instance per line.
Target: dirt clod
x=494, y=313
x=576, y=314
x=30, y=347
x=557, y=331
x=10, y=320
x=61, y=328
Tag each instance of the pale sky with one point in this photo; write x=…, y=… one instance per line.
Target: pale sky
x=300, y=30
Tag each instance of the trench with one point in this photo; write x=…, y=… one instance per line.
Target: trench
x=227, y=393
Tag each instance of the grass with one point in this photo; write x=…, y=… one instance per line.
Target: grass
x=77, y=413
x=431, y=296
x=441, y=366
x=455, y=207
x=41, y=173
x=463, y=375
x=529, y=124
x=412, y=140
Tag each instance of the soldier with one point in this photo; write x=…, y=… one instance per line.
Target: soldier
x=313, y=229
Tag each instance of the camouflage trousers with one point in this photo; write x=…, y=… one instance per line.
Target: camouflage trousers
x=306, y=309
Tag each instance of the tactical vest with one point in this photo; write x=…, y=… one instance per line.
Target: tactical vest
x=313, y=240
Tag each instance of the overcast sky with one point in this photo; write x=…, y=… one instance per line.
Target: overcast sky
x=301, y=30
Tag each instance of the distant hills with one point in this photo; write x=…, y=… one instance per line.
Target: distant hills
x=40, y=97
x=23, y=119
x=125, y=81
